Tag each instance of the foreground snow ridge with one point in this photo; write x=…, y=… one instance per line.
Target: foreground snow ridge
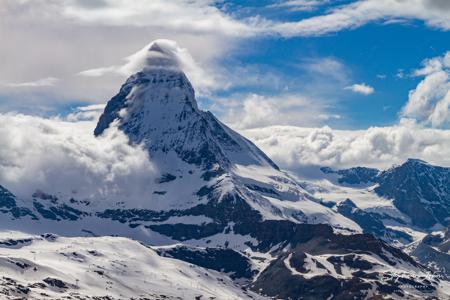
x=48, y=266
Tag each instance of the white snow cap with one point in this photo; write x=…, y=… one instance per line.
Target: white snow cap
x=159, y=54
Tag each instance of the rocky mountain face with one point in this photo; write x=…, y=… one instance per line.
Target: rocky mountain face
x=157, y=106
x=419, y=190
x=434, y=251
x=218, y=204
x=357, y=175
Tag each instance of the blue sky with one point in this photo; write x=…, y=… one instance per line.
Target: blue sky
x=320, y=52
x=374, y=54
x=381, y=54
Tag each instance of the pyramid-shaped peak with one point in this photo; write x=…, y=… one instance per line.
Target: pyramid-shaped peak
x=156, y=47
x=158, y=55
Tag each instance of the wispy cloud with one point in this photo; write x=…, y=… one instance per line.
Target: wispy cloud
x=299, y=5
x=358, y=13
x=49, y=81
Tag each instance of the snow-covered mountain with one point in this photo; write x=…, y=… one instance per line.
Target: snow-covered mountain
x=52, y=267
x=413, y=196
x=217, y=202
x=419, y=190
x=208, y=177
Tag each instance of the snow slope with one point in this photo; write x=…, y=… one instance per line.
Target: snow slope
x=37, y=267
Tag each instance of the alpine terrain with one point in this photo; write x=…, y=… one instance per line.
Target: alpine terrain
x=222, y=221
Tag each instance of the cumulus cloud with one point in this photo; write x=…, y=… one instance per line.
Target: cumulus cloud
x=296, y=148
x=64, y=158
x=253, y=111
x=429, y=102
x=361, y=88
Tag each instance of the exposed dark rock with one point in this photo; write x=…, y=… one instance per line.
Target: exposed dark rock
x=167, y=177
x=357, y=175
x=55, y=283
x=60, y=212
x=219, y=259
x=183, y=232
x=370, y=222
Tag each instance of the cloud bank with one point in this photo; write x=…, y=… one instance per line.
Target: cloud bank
x=296, y=148
x=62, y=157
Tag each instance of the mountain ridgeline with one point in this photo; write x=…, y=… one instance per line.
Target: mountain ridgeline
x=417, y=188
x=221, y=205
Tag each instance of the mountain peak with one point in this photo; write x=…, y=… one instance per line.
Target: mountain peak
x=157, y=107
x=416, y=161
x=158, y=55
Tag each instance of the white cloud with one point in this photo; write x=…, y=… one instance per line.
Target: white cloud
x=199, y=16
x=295, y=148
x=429, y=103
x=202, y=16
x=361, y=88
x=103, y=31
x=201, y=79
x=86, y=113
x=253, y=111
x=93, y=43
x=299, y=5
x=326, y=67
x=57, y=156
x=49, y=81
x=358, y=13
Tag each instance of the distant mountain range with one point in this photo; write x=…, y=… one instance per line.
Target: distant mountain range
x=223, y=220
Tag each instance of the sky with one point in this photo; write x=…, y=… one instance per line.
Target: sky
x=336, y=83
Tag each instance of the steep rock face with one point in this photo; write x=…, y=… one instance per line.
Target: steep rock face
x=157, y=107
x=8, y=205
x=419, y=190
